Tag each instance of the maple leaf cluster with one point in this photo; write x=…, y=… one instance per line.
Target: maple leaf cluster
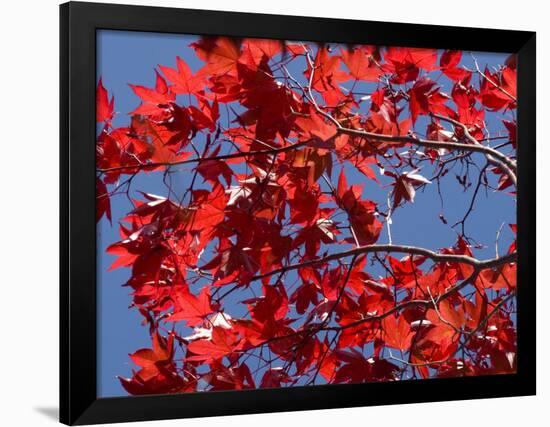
x=275, y=266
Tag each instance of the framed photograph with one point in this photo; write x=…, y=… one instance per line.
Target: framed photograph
x=268, y=213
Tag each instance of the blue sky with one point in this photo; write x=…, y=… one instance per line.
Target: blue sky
x=131, y=57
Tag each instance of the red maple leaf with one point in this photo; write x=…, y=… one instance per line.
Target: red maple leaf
x=104, y=107
x=193, y=309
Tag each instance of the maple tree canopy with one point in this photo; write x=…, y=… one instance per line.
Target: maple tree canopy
x=276, y=266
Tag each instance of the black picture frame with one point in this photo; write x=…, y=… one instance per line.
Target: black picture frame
x=78, y=398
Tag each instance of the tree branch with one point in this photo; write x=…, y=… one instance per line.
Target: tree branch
x=412, y=250
x=486, y=77
x=496, y=157
x=431, y=144
x=204, y=159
